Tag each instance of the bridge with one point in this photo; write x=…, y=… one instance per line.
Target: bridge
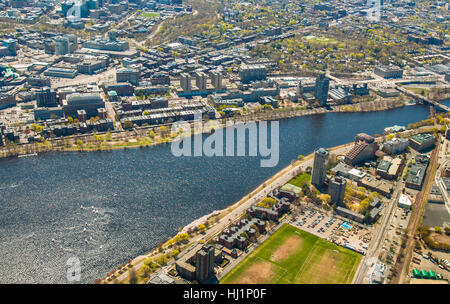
x=423, y=99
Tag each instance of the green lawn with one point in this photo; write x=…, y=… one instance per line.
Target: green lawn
x=149, y=15
x=323, y=40
x=300, y=179
x=421, y=91
x=293, y=256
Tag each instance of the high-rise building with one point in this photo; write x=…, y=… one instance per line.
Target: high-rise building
x=216, y=80
x=185, y=82
x=46, y=97
x=11, y=44
x=319, y=171
x=61, y=45
x=200, y=81
x=336, y=189
x=321, y=89
x=204, y=263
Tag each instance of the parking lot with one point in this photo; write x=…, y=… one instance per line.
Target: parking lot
x=332, y=229
x=422, y=261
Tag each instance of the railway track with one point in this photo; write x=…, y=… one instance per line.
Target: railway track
x=406, y=252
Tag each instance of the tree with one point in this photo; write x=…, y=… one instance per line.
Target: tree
x=267, y=202
x=160, y=246
x=145, y=270
x=201, y=227
x=300, y=157
x=326, y=198
x=175, y=253
x=127, y=124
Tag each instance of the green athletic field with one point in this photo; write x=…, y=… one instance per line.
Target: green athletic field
x=293, y=256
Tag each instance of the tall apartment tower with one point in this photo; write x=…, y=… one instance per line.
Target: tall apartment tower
x=321, y=89
x=319, y=171
x=185, y=82
x=216, y=80
x=200, y=81
x=336, y=189
x=61, y=45
x=204, y=263
x=46, y=97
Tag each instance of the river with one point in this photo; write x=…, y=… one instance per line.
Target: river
x=46, y=201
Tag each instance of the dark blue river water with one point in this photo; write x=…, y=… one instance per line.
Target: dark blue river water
x=41, y=197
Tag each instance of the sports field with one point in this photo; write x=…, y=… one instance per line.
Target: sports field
x=293, y=256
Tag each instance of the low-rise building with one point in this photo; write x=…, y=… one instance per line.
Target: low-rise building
x=396, y=145
x=421, y=142
x=417, y=172
x=376, y=184
x=388, y=71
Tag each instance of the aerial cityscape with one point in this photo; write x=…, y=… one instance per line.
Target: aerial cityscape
x=225, y=142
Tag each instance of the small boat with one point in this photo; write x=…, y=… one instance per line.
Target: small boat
x=84, y=230
x=86, y=241
x=53, y=240
x=115, y=194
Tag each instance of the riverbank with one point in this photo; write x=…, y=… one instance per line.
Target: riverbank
x=157, y=194
x=147, y=136
x=222, y=218
x=216, y=221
